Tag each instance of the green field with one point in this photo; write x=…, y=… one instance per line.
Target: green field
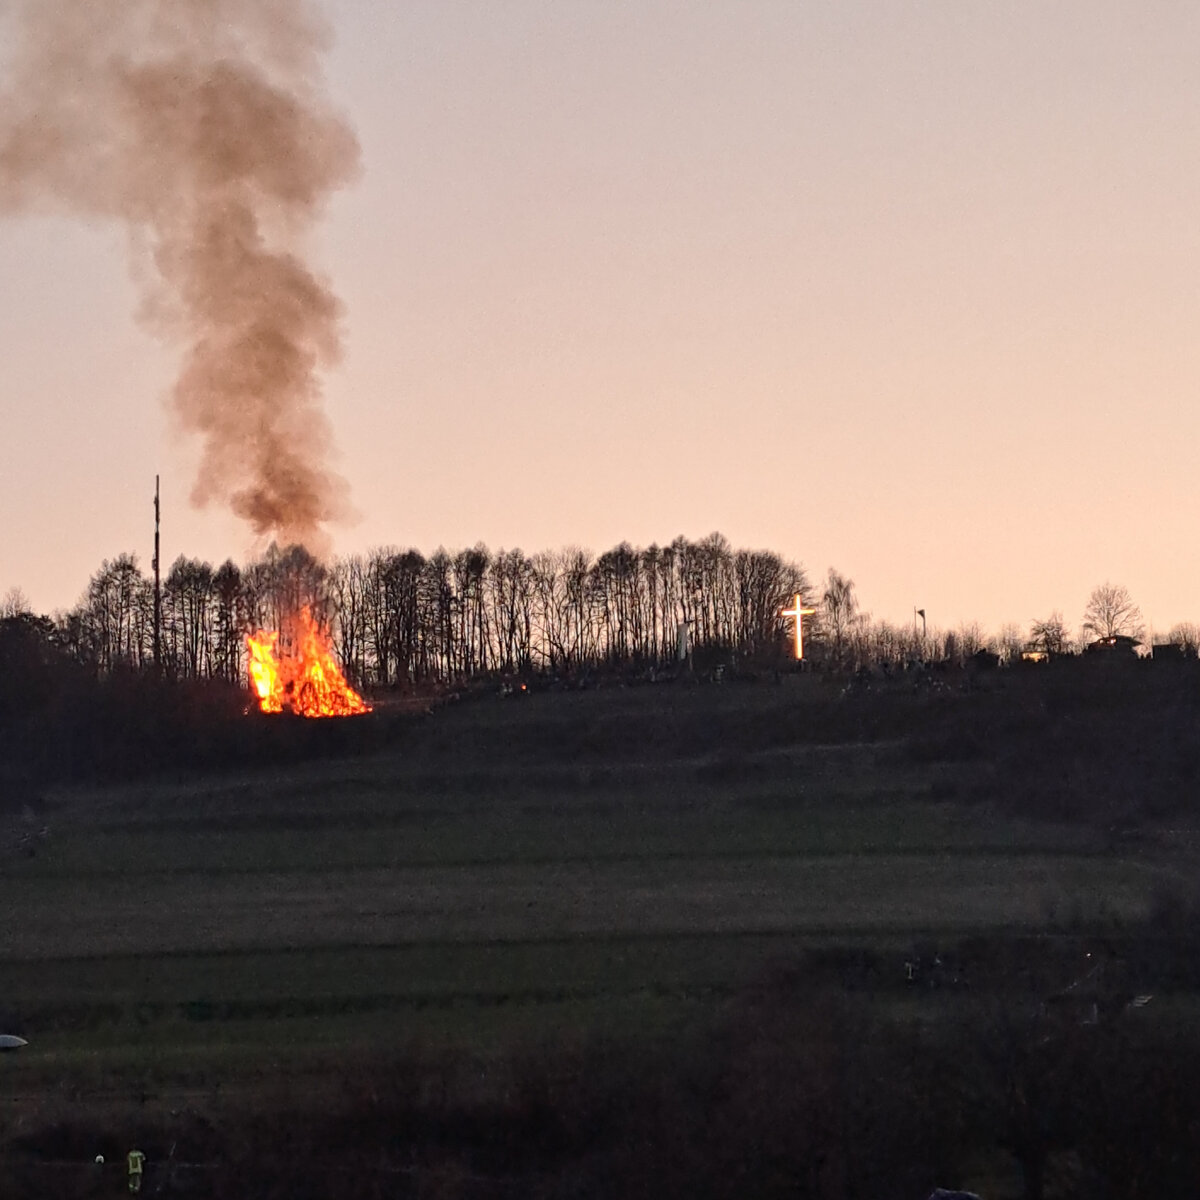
x=459, y=873
x=625, y=863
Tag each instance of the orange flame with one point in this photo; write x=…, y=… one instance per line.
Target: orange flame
x=306, y=680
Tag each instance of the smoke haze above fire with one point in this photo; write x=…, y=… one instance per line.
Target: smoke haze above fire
x=201, y=127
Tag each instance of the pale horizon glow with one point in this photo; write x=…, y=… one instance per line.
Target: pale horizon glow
x=904, y=290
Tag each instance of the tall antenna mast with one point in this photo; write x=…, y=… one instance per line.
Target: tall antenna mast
x=157, y=591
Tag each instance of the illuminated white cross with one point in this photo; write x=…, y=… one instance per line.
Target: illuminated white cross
x=799, y=612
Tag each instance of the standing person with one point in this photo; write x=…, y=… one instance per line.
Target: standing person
x=136, y=1160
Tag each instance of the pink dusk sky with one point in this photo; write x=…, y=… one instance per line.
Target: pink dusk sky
x=907, y=289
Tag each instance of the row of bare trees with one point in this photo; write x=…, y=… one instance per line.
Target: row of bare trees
x=398, y=617
x=849, y=638
x=404, y=617
x=206, y=612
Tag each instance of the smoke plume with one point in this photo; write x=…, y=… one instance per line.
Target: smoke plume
x=202, y=127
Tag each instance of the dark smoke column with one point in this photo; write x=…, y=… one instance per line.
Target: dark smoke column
x=201, y=125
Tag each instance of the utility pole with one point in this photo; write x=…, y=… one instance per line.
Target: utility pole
x=157, y=591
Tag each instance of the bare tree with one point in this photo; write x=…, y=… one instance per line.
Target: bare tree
x=116, y=615
x=840, y=610
x=1008, y=642
x=438, y=603
x=1187, y=635
x=884, y=642
x=510, y=597
x=765, y=585
x=14, y=604
x=1111, y=612
x=550, y=607
x=188, y=595
x=348, y=586
x=473, y=624
x=228, y=642
x=1050, y=634
x=378, y=616
x=614, y=579
x=412, y=613
x=970, y=640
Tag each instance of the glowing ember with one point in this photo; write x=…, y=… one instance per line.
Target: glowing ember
x=306, y=679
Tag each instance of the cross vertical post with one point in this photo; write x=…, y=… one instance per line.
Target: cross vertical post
x=799, y=612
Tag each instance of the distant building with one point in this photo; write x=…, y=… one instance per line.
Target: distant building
x=1119, y=645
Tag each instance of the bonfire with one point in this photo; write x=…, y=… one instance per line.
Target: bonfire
x=302, y=677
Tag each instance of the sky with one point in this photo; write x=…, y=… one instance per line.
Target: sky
x=907, y=289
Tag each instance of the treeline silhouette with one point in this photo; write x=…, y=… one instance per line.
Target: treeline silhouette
x=399, y=618
x=81, y=695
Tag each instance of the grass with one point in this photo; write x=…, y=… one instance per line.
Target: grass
x=618, y=858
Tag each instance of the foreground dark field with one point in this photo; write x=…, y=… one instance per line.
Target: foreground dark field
x=627, y=940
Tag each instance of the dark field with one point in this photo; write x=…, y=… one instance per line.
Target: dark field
x=569, y=943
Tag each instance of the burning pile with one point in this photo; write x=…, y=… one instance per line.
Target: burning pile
x=304, y=678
